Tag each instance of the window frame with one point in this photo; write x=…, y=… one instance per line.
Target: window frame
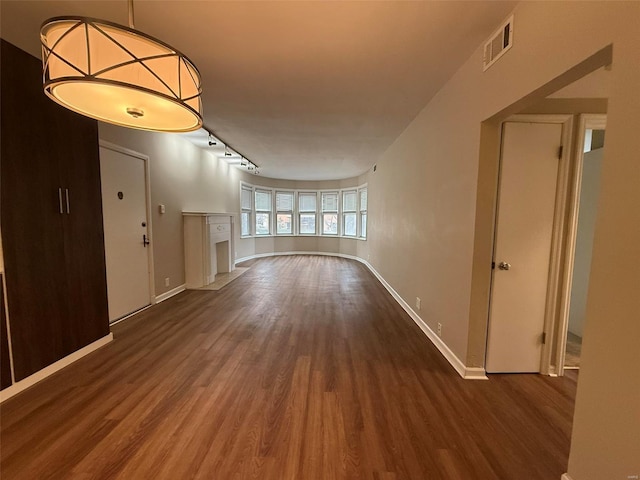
x=346, y=212
x=284, y=212
x=268, y=191
x=324, y=212
x=297, y=213
x=363, y=216
x=249, y=211
x=307, y=212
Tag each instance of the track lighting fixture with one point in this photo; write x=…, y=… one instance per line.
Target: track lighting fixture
x=229, y=152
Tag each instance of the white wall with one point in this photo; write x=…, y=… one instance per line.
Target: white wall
x=584, y=241
x=425, y=241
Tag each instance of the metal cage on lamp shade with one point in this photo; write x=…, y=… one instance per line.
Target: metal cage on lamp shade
x=119, y=75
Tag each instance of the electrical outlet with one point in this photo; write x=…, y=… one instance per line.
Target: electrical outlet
x=439, y=329
x=418, y=303
x=166, y=282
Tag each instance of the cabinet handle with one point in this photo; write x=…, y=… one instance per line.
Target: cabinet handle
x=60, y=198
x=66, y=192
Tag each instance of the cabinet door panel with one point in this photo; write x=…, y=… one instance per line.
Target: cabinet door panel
x=31, y=218
x=84, y=237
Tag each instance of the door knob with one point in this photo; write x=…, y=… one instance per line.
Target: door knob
x=145, y=241
x=504, y=266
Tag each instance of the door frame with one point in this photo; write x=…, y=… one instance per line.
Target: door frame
x=557, y=239
x=585, y=121
x=147, y=191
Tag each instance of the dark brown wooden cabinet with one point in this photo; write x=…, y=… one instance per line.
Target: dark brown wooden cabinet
x=51, y=213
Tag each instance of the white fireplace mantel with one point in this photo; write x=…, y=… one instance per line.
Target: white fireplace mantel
x=208, y=246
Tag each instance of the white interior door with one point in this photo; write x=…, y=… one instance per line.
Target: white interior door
x=526, y=205
x=124, y=209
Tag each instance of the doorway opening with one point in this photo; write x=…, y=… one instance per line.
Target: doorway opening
x=545, y=222
x=578, y=100
x=534, y=169
x=589, y=155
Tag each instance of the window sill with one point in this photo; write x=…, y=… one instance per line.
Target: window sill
x=303, y=235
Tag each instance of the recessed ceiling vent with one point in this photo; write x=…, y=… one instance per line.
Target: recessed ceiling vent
x=498, y=43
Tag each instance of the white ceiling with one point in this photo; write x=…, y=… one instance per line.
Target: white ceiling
x=306, y=90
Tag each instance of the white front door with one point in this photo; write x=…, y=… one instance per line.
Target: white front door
x=524, y=228
x=124, y=210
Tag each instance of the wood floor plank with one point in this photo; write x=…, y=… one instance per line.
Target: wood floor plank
x=303, y=368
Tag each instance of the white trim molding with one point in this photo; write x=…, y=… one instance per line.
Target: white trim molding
x=166, y=295
x=468, y=373
x=53, y=368
x=565, y=476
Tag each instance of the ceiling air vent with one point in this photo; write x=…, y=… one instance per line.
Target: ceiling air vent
x=498, y=44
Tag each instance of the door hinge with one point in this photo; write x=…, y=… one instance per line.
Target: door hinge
x=560, y=150
x=544, y=338
x=493, y=265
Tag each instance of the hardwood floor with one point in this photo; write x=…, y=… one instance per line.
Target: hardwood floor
x=303, y=368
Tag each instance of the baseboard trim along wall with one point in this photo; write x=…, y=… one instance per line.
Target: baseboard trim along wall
x=468, y=373
x=174, y=291
x=53, y=368
x=565, y=476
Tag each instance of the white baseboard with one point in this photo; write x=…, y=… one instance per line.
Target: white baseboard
x=565, y=476
x=174, y=291
x=278, y=254
x=53, y=368
x=468, y=373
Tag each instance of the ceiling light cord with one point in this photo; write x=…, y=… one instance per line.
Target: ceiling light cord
x=131, y=22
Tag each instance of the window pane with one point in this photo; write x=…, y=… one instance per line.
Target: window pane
x=246, y=199
x=350, y=224
x=307, y=202
x=363, y=199
x=308, y=223
x=263, y=201
x=363, y=225
x=330, y=223
x=284, y=201
x=349, y=200
x=244, y=224
x=262, y=223
x=283, y=222
x=329, y=202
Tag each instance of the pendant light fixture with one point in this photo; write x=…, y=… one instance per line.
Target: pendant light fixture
x=119, y=75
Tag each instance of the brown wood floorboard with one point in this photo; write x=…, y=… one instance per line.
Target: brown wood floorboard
x=303, y=368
